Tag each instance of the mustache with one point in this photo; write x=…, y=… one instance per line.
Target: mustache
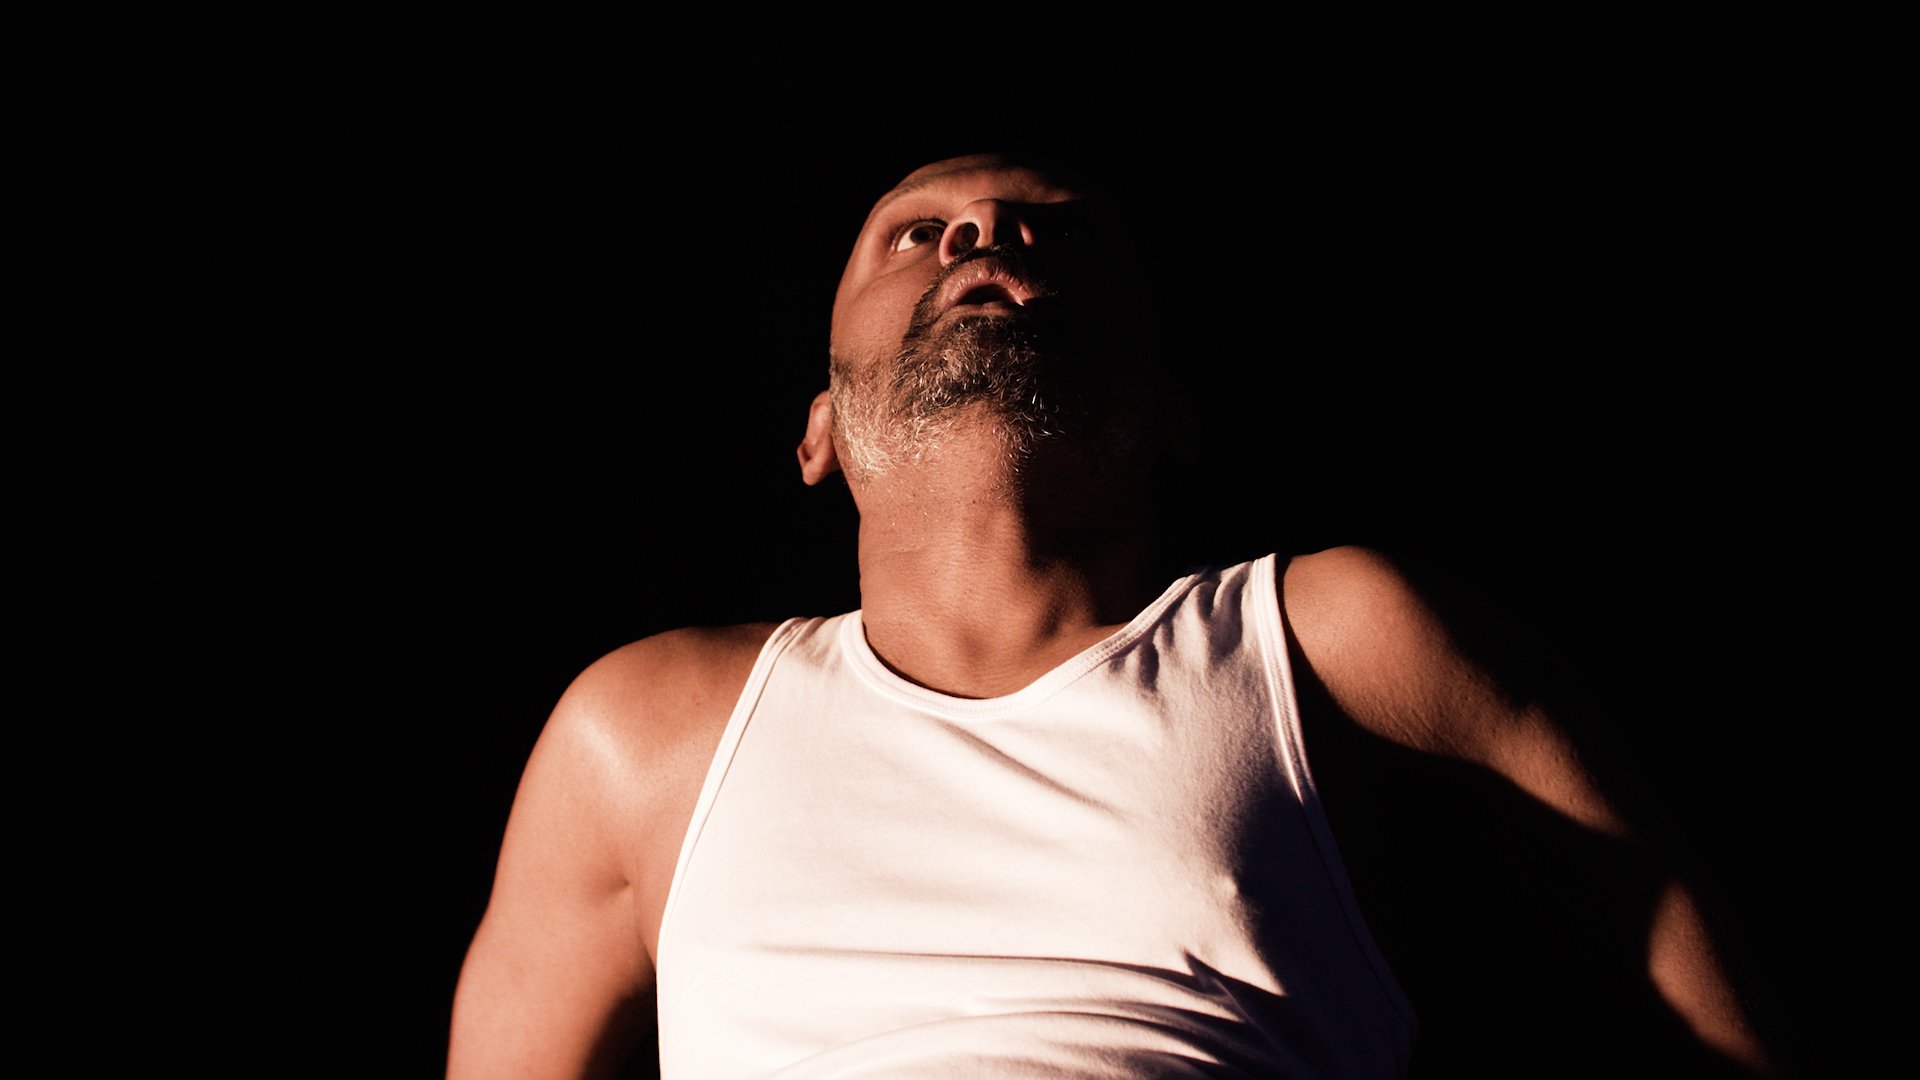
x=1017, y=259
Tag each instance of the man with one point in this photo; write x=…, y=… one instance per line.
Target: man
x=1042, y=808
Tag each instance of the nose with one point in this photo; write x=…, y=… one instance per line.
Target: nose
x=985, y=223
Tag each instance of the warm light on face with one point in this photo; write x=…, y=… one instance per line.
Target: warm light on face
x=902, y=245
x=979, y=290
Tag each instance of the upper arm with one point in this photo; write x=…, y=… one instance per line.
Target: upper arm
x=557, y=981
x=1444, y=677
x=1409, y=672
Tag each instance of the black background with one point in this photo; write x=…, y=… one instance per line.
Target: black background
x=545, y=334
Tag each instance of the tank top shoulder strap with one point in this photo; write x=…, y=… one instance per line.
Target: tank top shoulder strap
x=778, y=643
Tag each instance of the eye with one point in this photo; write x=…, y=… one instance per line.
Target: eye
x=920, y=232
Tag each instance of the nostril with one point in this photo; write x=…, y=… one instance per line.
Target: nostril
x=965, y=235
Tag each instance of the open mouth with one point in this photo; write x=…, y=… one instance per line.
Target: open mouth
x=987, y=293
x=988, y=283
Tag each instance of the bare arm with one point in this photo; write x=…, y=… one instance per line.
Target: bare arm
x=1405, y=677
x=557, y=982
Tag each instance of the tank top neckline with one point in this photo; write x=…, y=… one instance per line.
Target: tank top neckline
x=867, y=664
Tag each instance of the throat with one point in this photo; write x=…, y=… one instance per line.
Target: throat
x=979, y=619
x=976, y=660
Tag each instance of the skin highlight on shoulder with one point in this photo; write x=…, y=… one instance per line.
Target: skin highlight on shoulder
x=654, y=687
x=652, y=713
x=559, y=979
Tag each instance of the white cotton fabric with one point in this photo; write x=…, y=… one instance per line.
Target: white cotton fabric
x=1121, y=870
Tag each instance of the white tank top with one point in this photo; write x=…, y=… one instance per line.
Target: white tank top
x=1119, y=871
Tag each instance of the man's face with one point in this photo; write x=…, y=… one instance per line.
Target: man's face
x=978, y=289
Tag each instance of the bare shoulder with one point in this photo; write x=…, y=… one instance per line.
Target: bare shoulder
x=630, y=725
x=559, y=978
x=1337, y=597
x=1417, y=658
x=639, y=727
x=644, y=698
x=626, y=746
x=1382, y=646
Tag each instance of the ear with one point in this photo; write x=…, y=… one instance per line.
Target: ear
x=817, y=457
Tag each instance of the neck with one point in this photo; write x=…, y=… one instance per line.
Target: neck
x=976, y=579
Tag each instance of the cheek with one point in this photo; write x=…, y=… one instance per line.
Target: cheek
x=872, y=322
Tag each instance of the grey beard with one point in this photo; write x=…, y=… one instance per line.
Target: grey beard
x=983, y=370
